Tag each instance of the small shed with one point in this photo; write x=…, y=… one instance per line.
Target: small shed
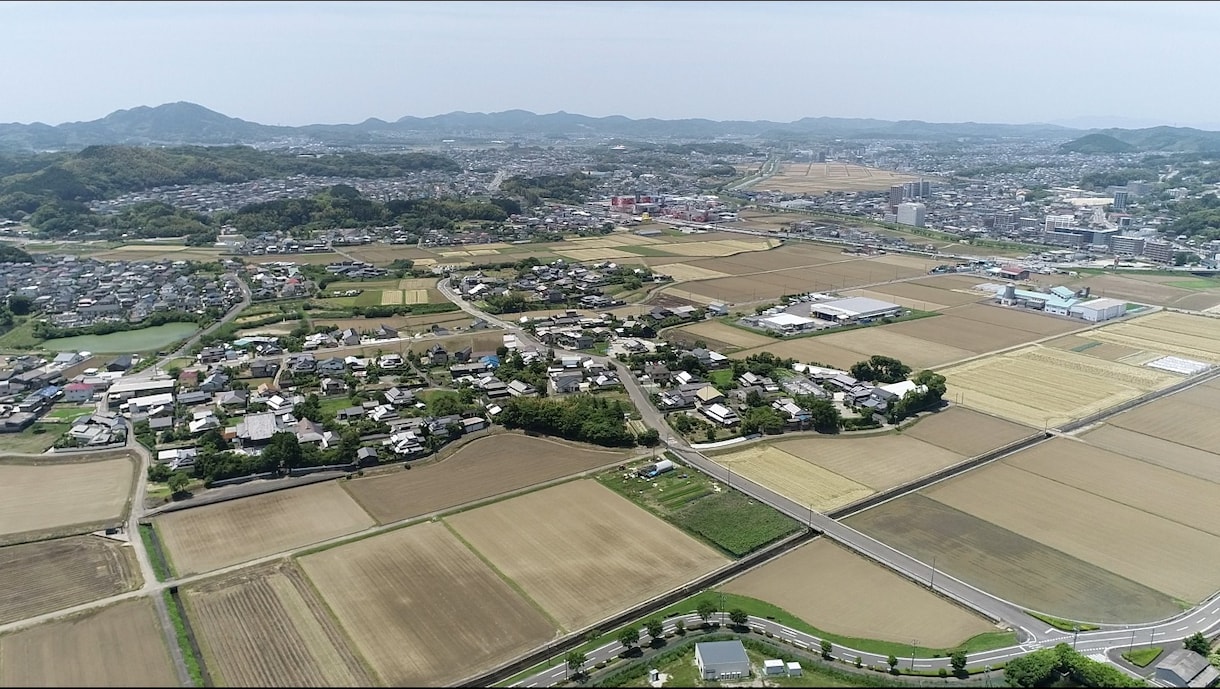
x=773, y=667
x=1184, y=668
x=794, y=669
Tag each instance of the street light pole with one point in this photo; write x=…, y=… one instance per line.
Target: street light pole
x=913, y=653
x=932, y=581
x=1132, y=644
x=1075, y=634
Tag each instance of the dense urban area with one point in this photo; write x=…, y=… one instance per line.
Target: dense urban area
x=524, y=403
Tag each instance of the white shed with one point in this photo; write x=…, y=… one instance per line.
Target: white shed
x=794, y=669
x=773, y=667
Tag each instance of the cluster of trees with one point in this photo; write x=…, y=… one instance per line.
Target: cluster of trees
x=570, y=188
x=1061, y=665
x=880, y=369
x=584, y=418
x=513, y=367
x=1200, y=217
x=916, y=401
x=13, y=254
x=1101, y=179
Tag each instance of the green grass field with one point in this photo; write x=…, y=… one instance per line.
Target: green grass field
x=369, y=297
x=20, y=337
x=67, y=413
x=33, y=440
x=1142, y=657
x=726, y=519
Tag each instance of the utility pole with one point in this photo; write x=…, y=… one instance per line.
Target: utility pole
x=1075, y=634
x=913, y=653
x=932, y=581
x=1132, y=644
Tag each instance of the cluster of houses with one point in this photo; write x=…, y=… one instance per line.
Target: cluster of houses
x=30, y=385
x=558, y=282
x=277, y=280
x=75, y=291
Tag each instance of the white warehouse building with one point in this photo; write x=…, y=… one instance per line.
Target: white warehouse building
x=722, y=660
x=853, y=309
x=1097, y=310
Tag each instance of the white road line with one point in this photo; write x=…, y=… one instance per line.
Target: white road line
x=1182, y=629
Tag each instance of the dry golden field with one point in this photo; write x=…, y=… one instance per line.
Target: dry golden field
x=204, y=538
x=121, y=645
x=818, y=178
x=793, y=477
x=485, y=468
x=964, y=333
x=1164, y=555
x=405, y=324
x=932, y=298
x=52, y=575
x=1013, y=385
x=1012, y=566
x=722, y=332
x=1176, y=334
x=1179, y=497
x=685, y=271
x=878, y=461
x=266, y=627
x=717, y=247
x=1182, y=418
x=583, y=552
x=51, y=496
x=1166, y=453
x=422, y=608
x=842, y=349
x=782, y=258
x=856, y=597
x=966, y=432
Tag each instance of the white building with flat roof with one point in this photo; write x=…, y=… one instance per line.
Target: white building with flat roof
x=787, y=323
x=1097, y=310
x=853, y=309
x=722, y=660
x=913, y=214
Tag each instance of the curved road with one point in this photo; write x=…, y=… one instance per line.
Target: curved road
x=1033, y=633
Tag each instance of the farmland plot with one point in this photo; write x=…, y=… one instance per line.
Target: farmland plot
x=967, y=432
x=722, y=332
x=422, y=608
x=583, y=552
x=857, y=597
x=922, y=292
x=265, y=627
x=1147, y=487
x=1034, y=322
x=794, y=478
x=879, y=462
x=51, y=496
x=204, y=538
x=1183, y=418
x=1009, y=565
x=484, y=468
x=1013, y=385
x=964, y=333
x=686, y=271
x=890, y=340
x=57, y=574
x=809, y=350
x=1164, y=555
x=121, y=645
x=1171, y=455
x=1192, y=337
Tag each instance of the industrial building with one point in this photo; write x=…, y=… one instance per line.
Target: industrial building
x=1098, y=310
x=1185, y=668
x=722, y=660
x=787, y=323
x=853, y=310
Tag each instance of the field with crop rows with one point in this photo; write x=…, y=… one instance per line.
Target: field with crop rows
x=581, y=551
x=266, y=627
x=877, y=461
x=52, y=575
x=793, y=477
x=1013, y=566
x=51, y=496
x=423, y=608
x=1014, y=384
x=818, y=178
x=1177, y=334
x=966, y=432
x=484, y=468
x=857, y=597
x=1159, y=451
x=121, y=645
x=204, y=538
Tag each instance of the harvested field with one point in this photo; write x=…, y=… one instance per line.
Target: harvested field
x=1147, y=487
x=52, y=575
x=923, y=292
x=1171, y=455
x=1178, y=334
x=818, y=178
x=878, y=461
x=723, y=332
x=51, y=495
x=1121, y=287
x=636, y=556
x=717, y=247
x=891, y=341
x=966, y=432
x=916, y=304
x=964, y=333
x=1009, y=565
x=1108, y=351
x=117, y=646
x=417, y=283
x=266, y=627
x=787, y=256
x=485, y=468
x=484, y=342
x=1164, y=555
x=1183, y=418
x=449, y=614
x=390, y=297
x=384, y=254
x=1013, y=385
x=953, y=281
x=810, y=350
x=857, y=597
x=686, y=271
x=301, y=259
x=794, y=478
x=1034, y=322
x=201, y=539
x=409, y=324
x=594, y=254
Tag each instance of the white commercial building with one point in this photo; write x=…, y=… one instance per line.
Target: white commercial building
x=912, y=214
x=722, y=660
x=854, y=309
x=1097, y=310
x=787, y=323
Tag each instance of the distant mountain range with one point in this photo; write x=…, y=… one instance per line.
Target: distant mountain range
x=188, y=123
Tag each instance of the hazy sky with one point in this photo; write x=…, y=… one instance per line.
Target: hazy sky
x=298, y=63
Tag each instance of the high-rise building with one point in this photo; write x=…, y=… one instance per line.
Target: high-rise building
x=917, y=190
x=1127, y=245
x=911, y=214
x=1055, y=222
x=1161, y=252
x=1120, y=200
x=896, y=193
